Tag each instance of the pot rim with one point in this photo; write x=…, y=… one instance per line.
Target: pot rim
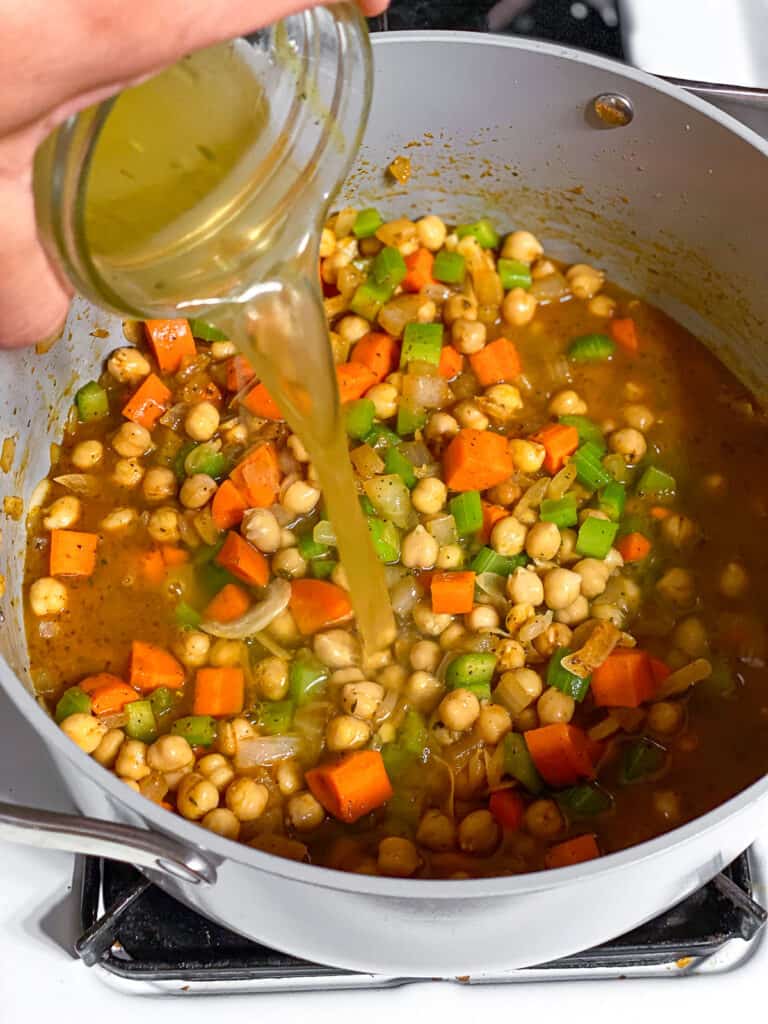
x=507, y=885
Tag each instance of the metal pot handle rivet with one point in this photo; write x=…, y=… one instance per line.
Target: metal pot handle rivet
x=613, y=110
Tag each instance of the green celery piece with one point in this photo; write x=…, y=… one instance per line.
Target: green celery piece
x=618, y=468
x=636, y=524
x=309, y=548
x=306, y=676
x=409, y=418
x=92, y=402
x=467, y=511
x=197, y=730
x=412, y=735
x=514, y=274
x=212, y=577
x=589, y=468
x=563, y=680
x=560, y=511
x=471, y=671
x=204, y=458
x=140, y=721
x=656, y=483
x=367, y=223
x=641, y=760
x=587, y=429
x=179, y=461
x=72, y=702
x=162, y=700
x=186, y=616
x=422, y=343
x=276, y=716
x=596, y=537
x=322, y=568
x=396, y=759
x=368, y=299
x=385, y=539
x=612, y=499
x=721, y=682
x=519, y=764
x=396, y=462
x=206, y=332
x=380, y=436
x=359, y=416
x=449, y=267
x=487, y=560
x=585, y=801
x=389, y=267
x=591, y=348
x=482, y=231
x=367, y=506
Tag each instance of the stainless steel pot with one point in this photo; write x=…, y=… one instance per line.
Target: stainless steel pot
x=672, y=203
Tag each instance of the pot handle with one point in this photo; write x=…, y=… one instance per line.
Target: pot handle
x=75, y=834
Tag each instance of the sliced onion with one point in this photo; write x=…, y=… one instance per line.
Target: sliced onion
x=429, y=392
x=48, y=629
x=405, y=595
x=263, y=750
x=154, y=787
x=562, y=482
x=531, y=500
x=173, y=417
x=597, y=647
x=437, y=292
x=387, y=706
x=684, y=678
x=551, y=288
x=310, y=722
x=367, y=461
x=324, y=533
x=417, y=453
x=269, y=644
x=443, y=529
x=114, y=721
x=495, y=586
x=535, y=627
x=391, y=498
x=276, y=599
x=282, y=515
x=79, y=483
x=396, y=314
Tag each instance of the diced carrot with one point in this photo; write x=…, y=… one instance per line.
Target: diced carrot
x=624, y=680
x=152, y=667
x=633, y=547
x=624, y=333
x=453, y=593
x=228, y=506
x=261, y=403
x=354, y=380
x=318, y=603
x=451, y=362
x=148, y=403
x=659, y=670
x=419, y=266
x=229, y=604
x=73, y=553
x=507, y=807
x=476, y=460
x=171, y=341
x=559, y=442
x=572, y=851
x=378, y=351
x=219, y=691
x=173, y=556
x=560, y=753
x=351, y=787
x=112, y=697
x=659, y=512
x=257, y=476
x=243, y=560
x=497, y=363
x=92, y=683
x=491, y=515
x=239, y=373
x=152, y=566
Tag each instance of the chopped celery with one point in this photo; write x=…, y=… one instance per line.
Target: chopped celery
x=590, y=348
x=205, y=458
x=472, y=671
x=72, y=702
x=482, y=231
x=589, y=468
x=585, y=801
x=212, y=577
x=186, y=616
x=422, y=343
x=618, y=468
x=396, y=759
x=306, y=676
x=449, y=267
x=380, y=436
x=396, y=462
x=197, y=730
x=413, y=736
x=410, y=418
x=385, y=539
x=179, y=461
x=514, y=274
x=366, y=504
x=467, y=511
x=519, y=764
x=140, y=721
x=322, y=568
x=92, y=402
x=359, y=416
x=162, y=700
x=276, y=716
x=657, y=483
x=205, y=331
x=560, y=511
x=367, y=223
x=641, y=760
x=612, y=499
x=369, y=297
x=563, y=680
x=721, y=682
x=308, y=547
x=596, y=537
x=389, y=267
x=587, y=430
x=487, y=560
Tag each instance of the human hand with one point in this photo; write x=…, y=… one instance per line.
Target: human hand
x=63, y=56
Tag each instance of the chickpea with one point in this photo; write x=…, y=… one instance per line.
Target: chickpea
x=436, y=831
x=450, y=556
x=568, y=552
x=85, y=730
x=543, y=541
x=561, y=588
x=505, y=493
x=602, y=305
x=574, y=613
x=666, y=803
x=261, y=528
x=501, y=402
x=517, y=616
x=431, y=232
x=429, y=622
x=128, y=365
x=613, y=560
x=518, y=307
x=216, y=769
x=222, y=350
x=638, y=416
x=346, y=733
x=384, y=398
x=362, y=699
x=479, y=833
x=283, y=628
x=568, y=403
x=594, y=576
x=127, y=473
x=543, y=819
x=63, y=513
x=169, y=754
x=246, y=798
x=202, y=421
x=517, y=688
x=554, y=706
x=521, y=245
x=196, y=796
x=425, y=656
x=493, y=723
x=163, y=525
x=419, y=549
x=270, y=676
x=47, y=596
x=510, y=654
x=525, y=587
x=304, y=812
x=107, y=750
x=482, y=618
x=459, y=307
x=690, y=636
x=398, y=857
x=131, y=761
x=87, y=454
x=665, y=717
x=459, y=710
x=289, y=563
x=289, y=777
x=300, y=498
x=391, y=677
x=679, y=531
x=452, y=637
x=557, y=635
x=327, y=243
x=441, y=426
x=628, y=442
x=296, y=447
x=468, y=336
x=734, y=580
x=197, y=490
x=191, y=647
x=131, y=784
x=527, y=456
x=584, y=281
x=527, y=719
x=223, y=822
x=132, y=441
x=339, y=577
x=119, y=519
x=352, y=328
x=469, y=415
x=508, y=536
x=159, y=484
x=677, y=586
x=423, y=691
x=226, y=653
